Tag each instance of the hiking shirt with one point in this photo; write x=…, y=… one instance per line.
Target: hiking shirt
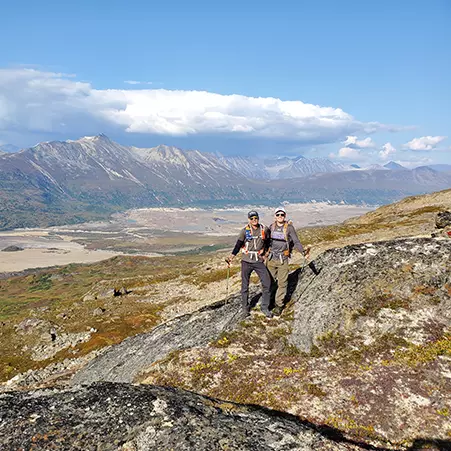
x=279, y=243
x=255, y=245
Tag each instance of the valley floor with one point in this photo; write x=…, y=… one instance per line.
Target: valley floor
x=150, y=232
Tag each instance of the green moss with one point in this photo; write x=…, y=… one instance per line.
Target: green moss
x=42, y=282
x=420, y=354
x=315, y=390
x=316, y=235
x=374, y=300
x=348, y=351
x=207, y=277
x=225, y=339
x=425, y=210
x=291, y=371
x=358, y=430
x=290, y=349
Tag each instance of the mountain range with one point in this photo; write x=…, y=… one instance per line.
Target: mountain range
x=89, y=178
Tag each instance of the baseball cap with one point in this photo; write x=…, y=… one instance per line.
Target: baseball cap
x=252, y=213
x=280, y=209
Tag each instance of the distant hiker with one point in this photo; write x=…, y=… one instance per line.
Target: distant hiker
x=283, y=240
x=253, y=241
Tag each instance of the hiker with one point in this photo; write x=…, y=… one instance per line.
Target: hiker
x=253, y=241
x=283, y=240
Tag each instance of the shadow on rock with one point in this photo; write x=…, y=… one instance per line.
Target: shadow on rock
x=142, y=418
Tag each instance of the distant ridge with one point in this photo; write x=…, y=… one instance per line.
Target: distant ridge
x=76, y=180
x=440, y=167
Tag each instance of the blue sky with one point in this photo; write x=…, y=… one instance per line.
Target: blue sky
x=384, y=62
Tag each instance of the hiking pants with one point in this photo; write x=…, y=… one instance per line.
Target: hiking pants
x=279, y=273
x=265, y=279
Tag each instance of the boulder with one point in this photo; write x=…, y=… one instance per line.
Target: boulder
x=359, y=281
x=122, y=362
x=443, y=219
x=111, y=416
x=12, y=249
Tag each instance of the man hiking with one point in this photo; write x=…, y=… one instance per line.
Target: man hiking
x=283, y=239
x=253, y=241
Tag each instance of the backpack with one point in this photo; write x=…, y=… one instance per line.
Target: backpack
x=248, y=231
x=248, y=237
x=289, y=249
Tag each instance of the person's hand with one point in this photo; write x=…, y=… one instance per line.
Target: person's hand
x=229, y=259
x=307, y=252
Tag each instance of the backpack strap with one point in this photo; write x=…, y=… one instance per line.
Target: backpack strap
x=249, y=237
x=287, y=252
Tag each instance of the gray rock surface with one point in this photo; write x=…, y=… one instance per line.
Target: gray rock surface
x=12, y=249
x=443, y=219
x=108, y=416
x=407, y=274
x=121, y=363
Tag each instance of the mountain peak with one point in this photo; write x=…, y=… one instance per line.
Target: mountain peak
x=95, y=138
x=393, y=166
x=99, y=137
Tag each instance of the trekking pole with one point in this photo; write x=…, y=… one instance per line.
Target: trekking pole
x=227, y=280
x=311, y=265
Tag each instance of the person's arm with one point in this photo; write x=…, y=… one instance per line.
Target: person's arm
x=238, y=245
x=293, y=237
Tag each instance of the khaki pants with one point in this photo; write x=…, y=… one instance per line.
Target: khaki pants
x=279, y=274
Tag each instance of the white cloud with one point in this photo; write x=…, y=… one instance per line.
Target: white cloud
x=134, y=82
x=354, y=143
x=33, y=100
x=348, y=153
x=425, y=143
x=387, y=151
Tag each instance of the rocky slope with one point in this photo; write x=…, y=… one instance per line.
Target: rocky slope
x=138, y=418
x=364, y=347
x=412, y=216
x=123, y=363
x=408, y=279
x=373, y=348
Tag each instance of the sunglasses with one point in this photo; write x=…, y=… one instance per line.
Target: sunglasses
x=280, y=214
x=253, y=217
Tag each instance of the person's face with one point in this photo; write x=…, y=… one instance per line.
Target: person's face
x=280, y=216
x=253, y=220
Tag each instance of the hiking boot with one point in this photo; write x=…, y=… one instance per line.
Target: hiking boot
x=277, y=311
x=245, y=313
x=267, y=313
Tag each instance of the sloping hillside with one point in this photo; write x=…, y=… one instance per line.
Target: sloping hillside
x=362, y=348
x=412, y=216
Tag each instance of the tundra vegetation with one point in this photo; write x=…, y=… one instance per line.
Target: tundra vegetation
x=66, y=313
